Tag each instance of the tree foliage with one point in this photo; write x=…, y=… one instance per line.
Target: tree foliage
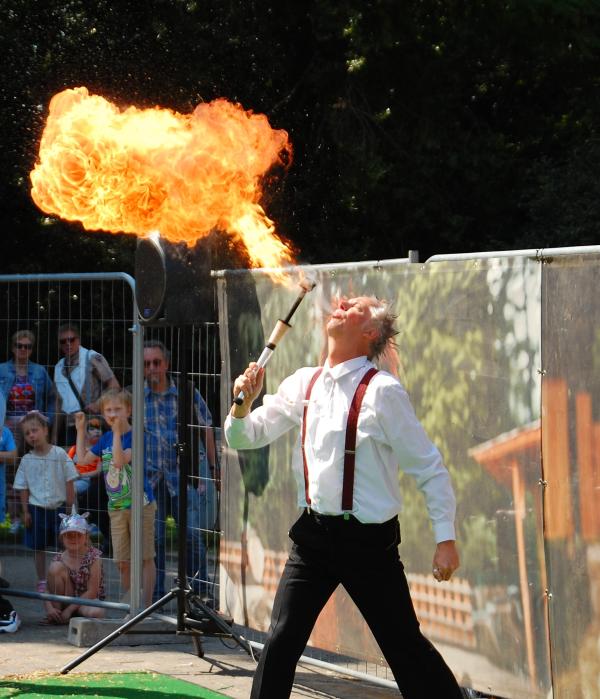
x=429, y=125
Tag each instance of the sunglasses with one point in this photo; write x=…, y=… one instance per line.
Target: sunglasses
x=152, y=362
x=67, y=340
x=94, y=426
x=23, y=345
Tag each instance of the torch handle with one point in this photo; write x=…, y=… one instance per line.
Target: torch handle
x=278, y=332
x=261, y=362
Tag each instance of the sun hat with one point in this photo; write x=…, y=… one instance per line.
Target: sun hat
x=74, y=522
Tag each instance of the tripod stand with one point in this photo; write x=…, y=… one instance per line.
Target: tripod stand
x=194, y=617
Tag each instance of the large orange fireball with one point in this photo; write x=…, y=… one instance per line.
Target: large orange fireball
x=143, y=170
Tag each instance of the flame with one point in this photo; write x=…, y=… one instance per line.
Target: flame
x=142, y=170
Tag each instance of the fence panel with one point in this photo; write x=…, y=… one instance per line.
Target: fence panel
x=99, y=311
x=35, y=311
x=571, y=449
x=469, y=356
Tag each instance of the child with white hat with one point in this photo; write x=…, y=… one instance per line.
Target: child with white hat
x=76, y=571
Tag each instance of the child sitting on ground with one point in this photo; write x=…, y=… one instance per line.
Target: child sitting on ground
x=44, y=480
x=114, y=448
x=75, y=572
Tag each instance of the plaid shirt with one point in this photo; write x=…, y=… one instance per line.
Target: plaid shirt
x=160, y=436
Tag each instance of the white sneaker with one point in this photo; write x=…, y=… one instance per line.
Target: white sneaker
x=15, y=526
x=11, y=624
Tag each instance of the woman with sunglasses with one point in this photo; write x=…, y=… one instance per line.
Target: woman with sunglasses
x=25, y=385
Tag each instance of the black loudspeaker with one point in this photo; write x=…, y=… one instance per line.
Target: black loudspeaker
x=173, y=284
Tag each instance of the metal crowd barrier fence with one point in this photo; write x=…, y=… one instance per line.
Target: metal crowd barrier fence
x=103, y=308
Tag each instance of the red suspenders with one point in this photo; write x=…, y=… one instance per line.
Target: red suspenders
x=350, y=443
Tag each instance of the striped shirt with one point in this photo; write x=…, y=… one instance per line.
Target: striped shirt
x=160, y=436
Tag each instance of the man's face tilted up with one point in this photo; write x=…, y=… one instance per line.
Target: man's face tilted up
x=351, y=323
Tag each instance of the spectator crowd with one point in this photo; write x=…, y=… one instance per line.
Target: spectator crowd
x=66, y=448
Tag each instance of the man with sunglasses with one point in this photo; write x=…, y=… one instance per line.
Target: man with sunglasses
x=80, y=377
x=162, y=464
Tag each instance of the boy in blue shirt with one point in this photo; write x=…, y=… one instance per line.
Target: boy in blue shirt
x=114, y=448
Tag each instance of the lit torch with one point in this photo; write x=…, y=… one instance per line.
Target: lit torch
x=185, y=175
x=280, y=329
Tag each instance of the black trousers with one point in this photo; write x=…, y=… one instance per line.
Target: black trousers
x=364, y=558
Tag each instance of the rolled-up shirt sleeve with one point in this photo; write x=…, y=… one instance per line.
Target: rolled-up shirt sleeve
x=420, y=458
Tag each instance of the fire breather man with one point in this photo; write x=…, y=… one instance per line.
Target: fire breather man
x=356, y=427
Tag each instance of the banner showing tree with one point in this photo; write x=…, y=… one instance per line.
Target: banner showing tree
x=469, y=356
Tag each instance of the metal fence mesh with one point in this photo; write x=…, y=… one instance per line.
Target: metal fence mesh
x=101, y=310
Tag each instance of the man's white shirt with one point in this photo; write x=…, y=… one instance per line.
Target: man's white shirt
x=388, y=436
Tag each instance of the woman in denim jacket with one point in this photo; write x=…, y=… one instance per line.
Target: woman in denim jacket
x=25, y=385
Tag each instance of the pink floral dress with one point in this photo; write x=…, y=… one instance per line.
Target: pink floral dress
x=80, y=577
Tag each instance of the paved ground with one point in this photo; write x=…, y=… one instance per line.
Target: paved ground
x=225, y=667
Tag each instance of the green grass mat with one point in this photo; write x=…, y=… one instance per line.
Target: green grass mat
x=127, y=685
